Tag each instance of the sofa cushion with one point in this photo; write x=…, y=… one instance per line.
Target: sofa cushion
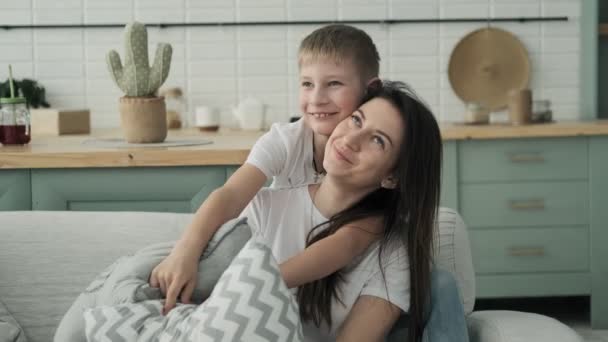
x=515, y=326
x=250, y=302
x=10, y=330
x=126, y=280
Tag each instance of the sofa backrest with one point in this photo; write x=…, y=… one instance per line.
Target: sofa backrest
x=47, y=258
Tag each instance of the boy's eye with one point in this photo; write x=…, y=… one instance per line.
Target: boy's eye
x=334, y=83
x=378, y=140
x=306, y=84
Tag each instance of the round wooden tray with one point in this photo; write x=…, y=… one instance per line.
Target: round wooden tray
x=486, y=64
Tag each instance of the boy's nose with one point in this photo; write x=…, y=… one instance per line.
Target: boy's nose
x=318, y=96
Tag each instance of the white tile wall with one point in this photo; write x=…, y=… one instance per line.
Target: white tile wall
x=219, y=65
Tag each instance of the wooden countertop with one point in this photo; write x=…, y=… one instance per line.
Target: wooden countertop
x=69, y=151
x=229, y=147
x=508, y=131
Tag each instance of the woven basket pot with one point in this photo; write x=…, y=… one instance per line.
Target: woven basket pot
x=143, y=119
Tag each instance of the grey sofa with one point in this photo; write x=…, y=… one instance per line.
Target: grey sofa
x=48, y=258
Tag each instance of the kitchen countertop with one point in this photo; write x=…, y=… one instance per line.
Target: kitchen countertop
x=229, y=147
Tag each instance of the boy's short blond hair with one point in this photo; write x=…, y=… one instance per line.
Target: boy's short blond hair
x=342, y=42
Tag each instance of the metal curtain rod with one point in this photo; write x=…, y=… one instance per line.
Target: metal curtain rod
x=313, y=22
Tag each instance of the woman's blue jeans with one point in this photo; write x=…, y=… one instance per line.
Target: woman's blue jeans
x=446, y=321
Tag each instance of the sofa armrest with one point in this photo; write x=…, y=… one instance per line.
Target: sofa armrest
x=453, y=254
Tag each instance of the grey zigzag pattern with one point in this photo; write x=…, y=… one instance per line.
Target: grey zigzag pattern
x=99, y=319
x=216, y=319
x=254, y=301
x=264, y=328
x=141, y=322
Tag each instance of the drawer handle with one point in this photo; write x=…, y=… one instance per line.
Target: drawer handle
x=531, y=204
x=532, y=157
x=526, y=251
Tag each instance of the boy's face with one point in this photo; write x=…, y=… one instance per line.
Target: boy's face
x=329, y=92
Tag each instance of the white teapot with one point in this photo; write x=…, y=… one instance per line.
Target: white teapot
x=250, y=113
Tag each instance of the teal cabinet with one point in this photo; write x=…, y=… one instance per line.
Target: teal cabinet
x=526, y=203
x=517, y=160
x=173, y=189
x=449, y=175
x=530, y=250
x=15, y=190
x=598, y=186
x=518, y=204
x=537, y=218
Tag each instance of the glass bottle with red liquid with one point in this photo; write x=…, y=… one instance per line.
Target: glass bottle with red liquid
x=14, y=119
x=15, y=125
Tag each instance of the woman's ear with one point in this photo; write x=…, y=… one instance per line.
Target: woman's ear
x=389, y=183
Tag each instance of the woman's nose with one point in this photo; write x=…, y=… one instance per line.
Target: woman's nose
x=353, y=140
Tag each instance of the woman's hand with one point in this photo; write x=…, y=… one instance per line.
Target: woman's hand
x=174, y=276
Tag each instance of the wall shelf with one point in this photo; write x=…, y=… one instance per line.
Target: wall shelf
x=304, y=22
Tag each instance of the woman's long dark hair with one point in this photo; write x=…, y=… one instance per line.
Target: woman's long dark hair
x=408, y=211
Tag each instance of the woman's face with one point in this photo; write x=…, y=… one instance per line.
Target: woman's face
x=364, y=147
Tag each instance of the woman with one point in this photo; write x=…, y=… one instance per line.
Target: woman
x=383, y=168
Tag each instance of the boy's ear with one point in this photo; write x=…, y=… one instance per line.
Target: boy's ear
x=374, y=84
x=389, y=182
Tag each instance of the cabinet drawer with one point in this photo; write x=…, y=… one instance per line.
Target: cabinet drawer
x=524, y=250
x=525, y=204
x=525, y=159
x=176, y=189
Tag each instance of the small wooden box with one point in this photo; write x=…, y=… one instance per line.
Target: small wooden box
x=55, y=121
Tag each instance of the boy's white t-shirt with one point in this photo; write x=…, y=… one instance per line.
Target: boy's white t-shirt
x=284, y=217
x=285, y=154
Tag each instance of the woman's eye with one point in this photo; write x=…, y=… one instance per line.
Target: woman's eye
x=306, y=84
x=378, y=140
x=334, y=83
x=355, y=119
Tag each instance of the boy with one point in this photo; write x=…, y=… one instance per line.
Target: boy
x=337, y=64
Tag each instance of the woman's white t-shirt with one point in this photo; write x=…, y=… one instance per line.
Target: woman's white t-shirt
x=284, y=217
x=285, y=153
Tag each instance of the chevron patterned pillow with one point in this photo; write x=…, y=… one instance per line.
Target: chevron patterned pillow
x=249, y=303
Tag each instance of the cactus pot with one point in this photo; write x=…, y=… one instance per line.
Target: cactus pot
x=144, y=119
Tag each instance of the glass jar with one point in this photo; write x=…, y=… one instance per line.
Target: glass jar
x=541, y=111
x=15, y=126
x=176, y=105
x=475, y=113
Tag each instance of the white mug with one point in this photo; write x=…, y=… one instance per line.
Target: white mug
x=207, y=117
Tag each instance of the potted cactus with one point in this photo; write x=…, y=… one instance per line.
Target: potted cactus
x=142, y=113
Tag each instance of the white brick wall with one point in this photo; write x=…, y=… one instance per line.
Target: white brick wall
x=220, y=65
